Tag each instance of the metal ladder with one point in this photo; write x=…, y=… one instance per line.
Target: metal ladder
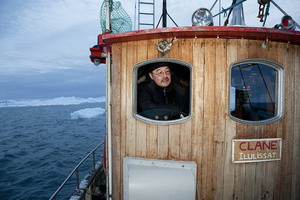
x=144, y=8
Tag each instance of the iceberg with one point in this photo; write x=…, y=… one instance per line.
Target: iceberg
x=87, y=113
x=50, y=102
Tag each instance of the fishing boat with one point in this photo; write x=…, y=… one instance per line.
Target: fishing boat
x=241, y=136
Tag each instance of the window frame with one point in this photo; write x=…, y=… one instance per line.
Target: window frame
x=279, y=106
x=135, y=90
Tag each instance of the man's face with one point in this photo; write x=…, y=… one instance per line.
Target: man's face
x=161, y=76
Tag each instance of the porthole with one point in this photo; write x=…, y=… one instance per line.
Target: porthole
x=162, y=91
x=256, y=91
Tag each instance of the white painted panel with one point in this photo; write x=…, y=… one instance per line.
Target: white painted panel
x=150, y=179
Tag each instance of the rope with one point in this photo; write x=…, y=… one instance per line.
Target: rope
x=266, y=13
x=227, y=20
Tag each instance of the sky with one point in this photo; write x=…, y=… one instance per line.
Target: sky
x=44, y=45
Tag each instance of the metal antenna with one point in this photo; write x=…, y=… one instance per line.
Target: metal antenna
x=164, y=15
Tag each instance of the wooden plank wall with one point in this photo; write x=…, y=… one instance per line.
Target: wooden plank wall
x=207, y=137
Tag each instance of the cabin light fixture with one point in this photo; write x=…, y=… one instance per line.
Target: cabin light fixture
x=202, y=17
x=97, y=61
x=98, y=52
x=288, y=23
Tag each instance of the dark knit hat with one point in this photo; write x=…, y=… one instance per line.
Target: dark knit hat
x=154, y=66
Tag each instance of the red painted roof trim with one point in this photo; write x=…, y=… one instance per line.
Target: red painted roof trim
x=239, y=32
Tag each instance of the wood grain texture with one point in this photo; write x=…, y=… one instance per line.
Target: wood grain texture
x=116, y=120
x=207, y=137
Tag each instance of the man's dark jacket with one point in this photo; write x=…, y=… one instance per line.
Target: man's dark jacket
x=163, y=103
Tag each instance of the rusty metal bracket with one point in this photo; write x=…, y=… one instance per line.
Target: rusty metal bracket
x=163, y=47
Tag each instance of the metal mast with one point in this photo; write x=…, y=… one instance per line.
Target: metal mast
x=238, y=15
x=108, y=107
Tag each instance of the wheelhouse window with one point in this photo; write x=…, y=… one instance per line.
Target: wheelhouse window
x=162, y=91
x=256, y=91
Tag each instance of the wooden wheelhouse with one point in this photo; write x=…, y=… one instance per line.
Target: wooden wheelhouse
x=208, y=136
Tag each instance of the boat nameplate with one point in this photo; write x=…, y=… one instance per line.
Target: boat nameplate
x=256, y=150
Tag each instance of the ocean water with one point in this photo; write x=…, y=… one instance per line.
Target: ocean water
x=41, y=142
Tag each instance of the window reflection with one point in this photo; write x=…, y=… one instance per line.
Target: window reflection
x=254, y=92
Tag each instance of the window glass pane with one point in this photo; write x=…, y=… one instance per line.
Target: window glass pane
x=254, y=92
